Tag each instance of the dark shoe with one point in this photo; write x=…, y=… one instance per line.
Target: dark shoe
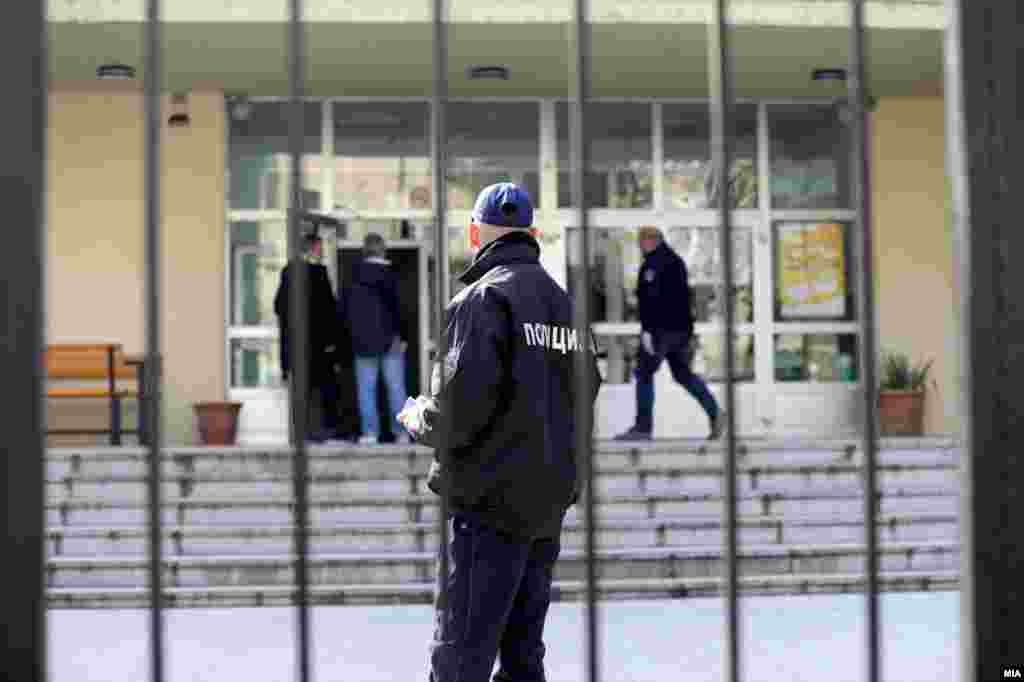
x=323, y=435
x=717, y=426
x=633, y=434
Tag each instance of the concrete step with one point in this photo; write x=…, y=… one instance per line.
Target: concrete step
x=563, y=590
x=610, y=481
x=326, y=509
x=406, y=567
x=423, y=536
x=396, y=461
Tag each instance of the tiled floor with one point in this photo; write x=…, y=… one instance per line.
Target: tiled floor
x=784, y=639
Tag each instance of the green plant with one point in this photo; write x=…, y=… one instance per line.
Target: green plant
x=898, y=374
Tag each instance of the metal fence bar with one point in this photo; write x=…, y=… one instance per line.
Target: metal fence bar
x=298, y=334
x=154, y=359
x=958, y=166
x=857, y=96
x=720, y=78
x=438, y=158
x=579, y=146
x=22, y=456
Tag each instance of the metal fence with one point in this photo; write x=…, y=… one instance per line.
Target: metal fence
x=24, y=267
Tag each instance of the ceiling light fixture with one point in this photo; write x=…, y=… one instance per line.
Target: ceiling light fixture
x=834, y=74
x=489, y=72
x=115, y=72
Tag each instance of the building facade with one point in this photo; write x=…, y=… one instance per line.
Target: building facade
x=366, y=162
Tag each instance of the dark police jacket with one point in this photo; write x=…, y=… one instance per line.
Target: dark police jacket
x=509, y=396
x=663, y=292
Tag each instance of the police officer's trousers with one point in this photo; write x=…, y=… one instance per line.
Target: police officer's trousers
x=499, y=589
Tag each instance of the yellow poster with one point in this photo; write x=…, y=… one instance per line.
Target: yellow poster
x=811, y=275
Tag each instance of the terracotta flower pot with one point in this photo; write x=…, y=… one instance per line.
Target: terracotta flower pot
x=901, y=413
x=217, y=421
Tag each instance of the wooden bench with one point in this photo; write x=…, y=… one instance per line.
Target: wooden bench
x=91, y=370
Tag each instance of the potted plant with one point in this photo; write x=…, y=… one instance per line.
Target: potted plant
x=217, y=421
x=901, y=395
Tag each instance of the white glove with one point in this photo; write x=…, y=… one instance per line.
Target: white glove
x=648, y=342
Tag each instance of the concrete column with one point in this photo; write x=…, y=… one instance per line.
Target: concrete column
x=986, y=143
x=22, y=167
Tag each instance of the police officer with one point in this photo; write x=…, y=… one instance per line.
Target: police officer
x=666, y=321
x=507, y=410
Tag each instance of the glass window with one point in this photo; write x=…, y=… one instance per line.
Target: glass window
x=816, y=357
x=259, y=251
x=255, y=363
x=615, y=262
x=382, y=156
x=810, y=157
x=618, y=357
x=813, y=271
x=258, y=165
x=491, y=142
x=621, y=153
x=689, y=176
x=699, y=248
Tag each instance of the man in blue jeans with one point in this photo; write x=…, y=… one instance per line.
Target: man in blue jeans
x=374, y=321
x=666, y=321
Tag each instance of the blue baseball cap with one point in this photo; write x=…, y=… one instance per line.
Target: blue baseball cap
x=504, y=204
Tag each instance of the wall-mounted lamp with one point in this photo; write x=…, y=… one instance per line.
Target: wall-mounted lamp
x=115, y=72
x=179, y=117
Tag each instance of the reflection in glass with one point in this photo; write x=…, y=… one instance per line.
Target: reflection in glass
x=382, y=155
x=621, y=155
x=491, y=142
x=816, y=357
x=255, y=363
x=258, y=159
x=615, y=261
x=699, y=249
x=810, y=157
x=618, y=357
x=689, y=175
x=259, y=250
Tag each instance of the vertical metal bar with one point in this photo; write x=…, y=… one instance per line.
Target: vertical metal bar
x=438, y=167
x=580, y=148
x=720, y=79
x=862, y=207
x=154, y=360
x=299, y=332
x=958, y=167
x=22, y=261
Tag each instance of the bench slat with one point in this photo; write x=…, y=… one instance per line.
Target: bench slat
x=87, y=392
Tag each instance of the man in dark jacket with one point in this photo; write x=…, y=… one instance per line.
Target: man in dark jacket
x=322, y=333
x=507, y=412
x=666, y=322
x=370, y=307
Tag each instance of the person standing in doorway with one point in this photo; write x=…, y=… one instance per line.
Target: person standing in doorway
x=506, y=408
x=322, y=333
x=371, y=308
x=666, y=322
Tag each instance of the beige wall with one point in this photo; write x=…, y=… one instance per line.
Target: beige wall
x=94, y=280
x=913, y=247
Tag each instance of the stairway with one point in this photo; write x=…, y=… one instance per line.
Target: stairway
x=228, y=515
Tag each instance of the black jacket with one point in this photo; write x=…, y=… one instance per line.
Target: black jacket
x=370, y=307
x=322, y=327
x=663, y=292
x=509, y=398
